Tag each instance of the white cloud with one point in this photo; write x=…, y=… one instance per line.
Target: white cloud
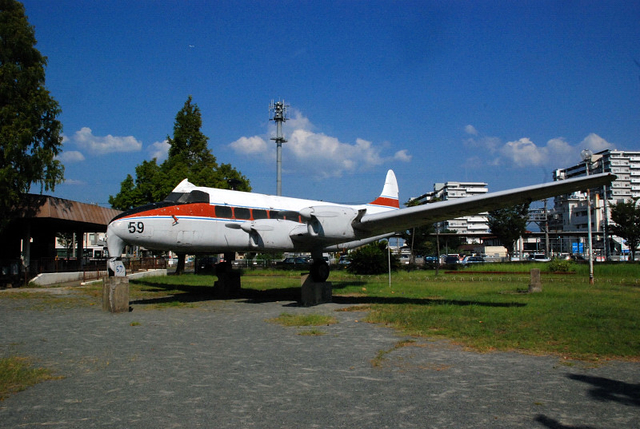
x=159, y=151
x=317, y=154
x=524, y=153
x=71, y=156
x=102, y=145
x=74, y=182
x=560, y=152
x=470, y=129
x=595, y=143
x=250, y=145
x=487, y=143
x=297, y=121
x=402, y=155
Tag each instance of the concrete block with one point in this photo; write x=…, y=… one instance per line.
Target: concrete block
x=535, y=284
x=115, y=294
x=314, y=293
x=228, y=285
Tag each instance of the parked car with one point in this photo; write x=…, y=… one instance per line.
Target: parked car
x=206, y=265
x=472, y=260
x=405, y=259
x=344, y=260
x=451, y=260
x=539, y=257
x=295, y=262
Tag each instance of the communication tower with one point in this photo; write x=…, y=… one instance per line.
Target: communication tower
x=278, y=113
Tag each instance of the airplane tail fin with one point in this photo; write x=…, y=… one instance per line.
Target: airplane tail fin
x=389, y=195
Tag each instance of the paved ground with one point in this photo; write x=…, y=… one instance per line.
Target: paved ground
x=221, y=365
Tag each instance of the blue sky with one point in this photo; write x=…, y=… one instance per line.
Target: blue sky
x=499, y=92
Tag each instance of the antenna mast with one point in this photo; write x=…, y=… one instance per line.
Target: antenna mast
x=278, y=113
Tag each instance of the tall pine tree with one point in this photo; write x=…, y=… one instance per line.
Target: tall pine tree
x=189, y=157
x=29, y=131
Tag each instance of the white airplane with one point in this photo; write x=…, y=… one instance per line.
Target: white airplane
x=196, y=219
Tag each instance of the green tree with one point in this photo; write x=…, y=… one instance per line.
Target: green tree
x=189, y=157
x=509, y=224
x=419, y=238
x=423, y=241
x=29, y=130
x=626, y=216
x=371, y=259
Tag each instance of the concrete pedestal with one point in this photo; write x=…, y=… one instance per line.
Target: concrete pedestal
x=314, y=293
x=228, y=285
x=115, y=294
x=535, y=284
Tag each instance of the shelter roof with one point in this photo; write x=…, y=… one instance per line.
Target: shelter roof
x=58, y=209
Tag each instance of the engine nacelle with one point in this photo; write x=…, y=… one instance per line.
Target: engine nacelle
x=330, y=222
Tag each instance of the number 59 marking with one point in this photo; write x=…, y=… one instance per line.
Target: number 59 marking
x=135, y=227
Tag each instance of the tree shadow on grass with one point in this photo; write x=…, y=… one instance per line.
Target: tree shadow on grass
x=193, y=294
x=353, y=300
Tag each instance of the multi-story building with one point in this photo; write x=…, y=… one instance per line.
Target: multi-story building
x=570, y=211
x=476, y=224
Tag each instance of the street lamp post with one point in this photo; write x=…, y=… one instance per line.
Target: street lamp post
x=586, y=155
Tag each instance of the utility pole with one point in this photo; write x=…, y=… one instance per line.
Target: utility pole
x=278, y=113
x=586, y=155
x=546, y=230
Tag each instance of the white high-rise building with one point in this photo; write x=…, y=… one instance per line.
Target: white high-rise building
x=476, y=224
x=570, y=211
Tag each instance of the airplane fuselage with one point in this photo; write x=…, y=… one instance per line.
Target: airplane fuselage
x=209, y=220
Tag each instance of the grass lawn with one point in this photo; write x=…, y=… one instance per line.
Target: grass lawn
x=484, y=311
x=481, y=310
x=17, y=374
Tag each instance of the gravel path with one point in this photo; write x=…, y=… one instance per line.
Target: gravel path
x=221, y=365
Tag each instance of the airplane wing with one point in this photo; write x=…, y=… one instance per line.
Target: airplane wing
x=400, y=220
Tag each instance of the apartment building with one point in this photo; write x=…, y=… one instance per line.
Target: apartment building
x=476, y=224
x=570, y=211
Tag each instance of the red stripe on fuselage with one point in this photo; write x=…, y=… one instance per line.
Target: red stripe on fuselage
x=194, y=209
x=387, y=202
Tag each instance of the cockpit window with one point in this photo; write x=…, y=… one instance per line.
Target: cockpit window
x=198, y=197
x=174, y=197
x=188, y=197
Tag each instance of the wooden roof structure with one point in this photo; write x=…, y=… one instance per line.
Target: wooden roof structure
x=46, y=207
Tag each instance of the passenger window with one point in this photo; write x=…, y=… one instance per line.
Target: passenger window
x=259, y=214
x=294, y=216
x=287, y=215
x=242, y=213
x=224, y=211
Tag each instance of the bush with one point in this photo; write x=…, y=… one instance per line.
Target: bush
x=561, y=266
x=371, y=259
